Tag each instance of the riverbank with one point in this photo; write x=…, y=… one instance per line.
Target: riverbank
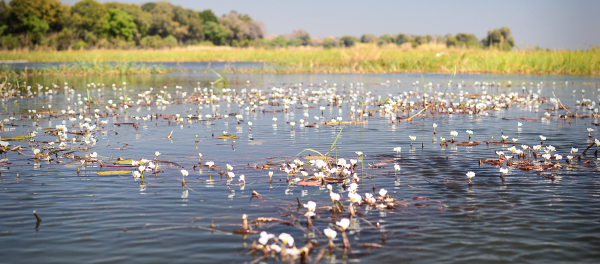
x=360, y=59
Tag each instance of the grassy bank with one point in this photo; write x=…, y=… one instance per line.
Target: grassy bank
x=361, y=59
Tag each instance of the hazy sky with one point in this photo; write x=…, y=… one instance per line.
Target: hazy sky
x=554, y=24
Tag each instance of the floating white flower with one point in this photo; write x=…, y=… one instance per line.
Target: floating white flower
x=330, y=233
x=382, y=192
x=287, y=239
x=184, y=173
x=334, y=196
x=344, y=223
x=264, y=237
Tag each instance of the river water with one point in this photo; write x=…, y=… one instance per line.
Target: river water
x=533, y=216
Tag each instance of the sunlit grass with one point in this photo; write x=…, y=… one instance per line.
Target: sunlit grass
x=360, y=59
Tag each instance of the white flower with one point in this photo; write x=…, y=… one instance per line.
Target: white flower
x=330, y=233
x=412, y=138
x=270, y=174
x=185, y=194
x=230, y=174
x=470, y=174
x=359, y=153
x=136, y=174
x=434, y=125
x=470, y=132
x=396, y=167
x=558, y=156
x=546, y=156
x=210, y=164
x=142, y=168
x=504, y=170
x=550, y=148
x=398, y=149
x=229, y=167
x=242, y=178
x=504, y=137
x=36, y=151
x=590, y=130
x=184, y=173
x=264, y=237
x=287, y=239
x=334, y=196
x=382, y=192
x=542, y=138
x=574, y=150
x=344, y=223
x=310, y=206
x=157, y=153
x=454, y=133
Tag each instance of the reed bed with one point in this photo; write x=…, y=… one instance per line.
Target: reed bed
x=360, y=59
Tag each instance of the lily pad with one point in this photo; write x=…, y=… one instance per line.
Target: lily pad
x=228, y=136
x=116, y=172
x=19, y=137
x=130, y=162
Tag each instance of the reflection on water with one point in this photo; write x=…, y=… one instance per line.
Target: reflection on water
x=536, y=216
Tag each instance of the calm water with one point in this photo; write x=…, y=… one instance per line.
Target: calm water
x=89, y=218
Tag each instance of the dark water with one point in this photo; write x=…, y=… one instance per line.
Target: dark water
x=89, y=218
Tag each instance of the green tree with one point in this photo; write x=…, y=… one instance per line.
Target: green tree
x=451, y=41
x=348, y=41
x=4, y=12
x=162, y=20
x=120, y=24
x=329, y=43
x=195, y=26
x=279, y=41
x=147, y=7
x=403, y=38
x=302, y=36
x=215, y=33
x=208, y=16
x=50, y=10
x=368, y=38
x=89, y=15
x=141, y=19
x=36, y=28
x=385, y=39
x=499, y=38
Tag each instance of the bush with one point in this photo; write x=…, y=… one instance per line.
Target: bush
x=153, y=42
x=80, y=45
x=329, y=43
x=170, y=41
x=9, y=42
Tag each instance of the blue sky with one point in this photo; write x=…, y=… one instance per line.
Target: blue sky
x=554, y=24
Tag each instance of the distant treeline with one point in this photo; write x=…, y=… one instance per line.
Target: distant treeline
x=88, y=24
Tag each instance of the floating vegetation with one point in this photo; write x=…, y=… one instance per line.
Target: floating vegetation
x=295, y=203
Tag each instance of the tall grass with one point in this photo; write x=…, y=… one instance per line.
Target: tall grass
x=360, y=59
x=82, y=67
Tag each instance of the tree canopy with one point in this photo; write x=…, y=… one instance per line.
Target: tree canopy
x=90, y=24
